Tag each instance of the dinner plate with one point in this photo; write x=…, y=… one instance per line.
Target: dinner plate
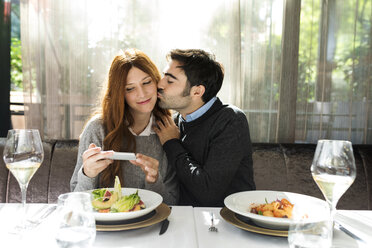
x=235, y=220
x=151, y=199
x=160, y=213
x=305, y=207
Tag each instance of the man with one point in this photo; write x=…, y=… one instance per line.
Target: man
x=211, y=148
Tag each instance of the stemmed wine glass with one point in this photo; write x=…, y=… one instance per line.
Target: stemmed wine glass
x=23, y=155
x=333, y=170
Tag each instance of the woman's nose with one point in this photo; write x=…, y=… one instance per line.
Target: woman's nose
x=141, y=91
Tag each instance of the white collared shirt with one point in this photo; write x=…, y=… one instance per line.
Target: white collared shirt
x=148, y=130
x=200, y=111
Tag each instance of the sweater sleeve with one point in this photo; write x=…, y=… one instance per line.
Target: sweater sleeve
x=229, y=141
x=92, y=133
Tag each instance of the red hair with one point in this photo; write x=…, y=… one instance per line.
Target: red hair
x=115, y=112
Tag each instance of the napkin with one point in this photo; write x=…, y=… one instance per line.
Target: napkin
x=357, y=222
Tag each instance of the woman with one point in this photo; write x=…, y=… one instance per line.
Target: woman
x=124, y=123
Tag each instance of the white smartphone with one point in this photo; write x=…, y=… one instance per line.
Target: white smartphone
x=123, y=156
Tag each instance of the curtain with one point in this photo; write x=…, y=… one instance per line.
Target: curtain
x=334, y=88
x=316, y=79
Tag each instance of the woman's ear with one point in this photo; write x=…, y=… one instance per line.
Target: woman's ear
x=197, y=90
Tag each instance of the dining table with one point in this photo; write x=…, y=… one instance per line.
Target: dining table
x=188, y=227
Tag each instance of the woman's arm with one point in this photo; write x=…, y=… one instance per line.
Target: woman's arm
x=92, y=133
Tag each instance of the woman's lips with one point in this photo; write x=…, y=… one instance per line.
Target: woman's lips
x=144, y=102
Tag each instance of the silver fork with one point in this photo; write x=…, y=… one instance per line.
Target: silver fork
x=212, y=228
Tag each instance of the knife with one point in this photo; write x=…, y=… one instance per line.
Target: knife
x=36, y=220
x=348, y=232
x=164, y=225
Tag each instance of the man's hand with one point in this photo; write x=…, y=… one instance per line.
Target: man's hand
x=95, y=161
x=167, y=129
x=149, y=166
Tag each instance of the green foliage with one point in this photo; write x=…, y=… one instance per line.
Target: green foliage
x=351, y=41
x=308, y=50
x=16, y=65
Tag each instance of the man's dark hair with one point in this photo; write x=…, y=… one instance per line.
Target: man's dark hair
x=201, y=68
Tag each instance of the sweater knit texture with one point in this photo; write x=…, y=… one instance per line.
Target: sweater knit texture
x=166, y=184
x=213, y=157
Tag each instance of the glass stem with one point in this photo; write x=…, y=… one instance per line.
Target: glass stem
x=332, y=211
x=24, y=193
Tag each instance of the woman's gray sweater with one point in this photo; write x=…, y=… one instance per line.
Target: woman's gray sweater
x=133, y=176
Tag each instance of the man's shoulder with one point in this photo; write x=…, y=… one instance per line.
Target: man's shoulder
x=231, y=112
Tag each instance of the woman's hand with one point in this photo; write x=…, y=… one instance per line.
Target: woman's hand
x=149, y=166
x=166, y=129
x=95, y=161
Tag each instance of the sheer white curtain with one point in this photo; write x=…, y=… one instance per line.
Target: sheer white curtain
x=67, y=47
x=334, y=99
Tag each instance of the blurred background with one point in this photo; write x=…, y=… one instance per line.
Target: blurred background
x=299, y=69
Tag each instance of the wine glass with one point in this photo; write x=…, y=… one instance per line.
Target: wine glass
x=76, y=226
x=23, y=155
x=333, y=170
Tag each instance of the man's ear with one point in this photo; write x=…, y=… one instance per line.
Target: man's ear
x=198, y=90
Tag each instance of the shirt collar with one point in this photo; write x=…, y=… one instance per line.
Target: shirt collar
x=148, y=130
x=200, y=111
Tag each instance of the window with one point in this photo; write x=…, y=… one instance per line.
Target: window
x=299, y=69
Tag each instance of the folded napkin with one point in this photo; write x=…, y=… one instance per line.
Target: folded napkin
x=357, y=222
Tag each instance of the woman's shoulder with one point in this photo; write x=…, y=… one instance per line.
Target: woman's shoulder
x=94, y=122
x=93, y=126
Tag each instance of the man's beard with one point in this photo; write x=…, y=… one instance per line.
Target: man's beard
x=176, y=102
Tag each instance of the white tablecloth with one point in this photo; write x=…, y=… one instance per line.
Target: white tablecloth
x=188, y=227
x=231, y=236
x=180, y=233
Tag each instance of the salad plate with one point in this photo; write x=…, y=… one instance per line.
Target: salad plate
x=151, y=200
x=306, y=208
x=156, y=216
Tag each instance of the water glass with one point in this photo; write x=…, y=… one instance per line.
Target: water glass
x=76, y=225
x=306, y=234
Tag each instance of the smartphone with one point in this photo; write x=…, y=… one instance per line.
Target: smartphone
x=123, y=156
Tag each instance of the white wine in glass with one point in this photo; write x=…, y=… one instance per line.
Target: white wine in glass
x=333, y=170
x=23, y=155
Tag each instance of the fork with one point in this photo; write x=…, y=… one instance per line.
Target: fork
x=212, y=228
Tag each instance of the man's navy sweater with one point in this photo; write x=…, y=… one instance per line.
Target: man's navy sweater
x=213, y=157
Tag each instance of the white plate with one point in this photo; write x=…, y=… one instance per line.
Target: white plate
x=241, y=203
x=151, y=199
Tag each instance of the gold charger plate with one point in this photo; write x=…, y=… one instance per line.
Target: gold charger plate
x=161, y=213
x=230, y=217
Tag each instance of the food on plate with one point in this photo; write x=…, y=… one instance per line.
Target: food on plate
x=104, y=198
x=128, y=203
x=279, y=208
x=106, y=201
